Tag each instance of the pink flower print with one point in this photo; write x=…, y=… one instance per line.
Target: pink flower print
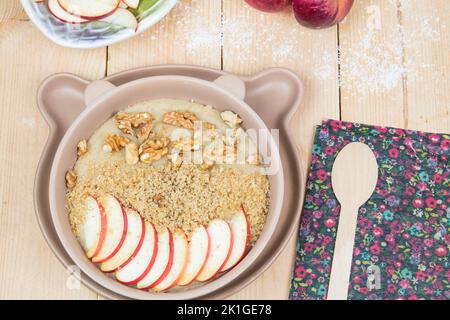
x=404, y=283
x=329, y=151
x=420, y=275
x=445, y=144
x=309, y=246
x=322, y=175
x=434, y=138
x=336, y=125
x=327, y=239
x=377, y=232
x=431, y=202
x=330, y=222
x=409, y=191
x=413, y=297
x=390, y=238
x=395, y=227
x=357, y=279
x=438, y=178
x=428, y=242
x=381, y=129
x=364, y=290
x=317, y=214
x=393, y=153
x=391, y=288
x=441, y=251
x=375, y=249
x=382, y=207
x=300, y=272
x=418, y=203
x=422, y=186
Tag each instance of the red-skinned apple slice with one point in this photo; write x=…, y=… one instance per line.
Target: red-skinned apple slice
x=137, y=268
x=131, y=245
x=92, y=231
x=241, y=236
x=89, y=9
x=131, y=3
x=61, y=14
x=163, y=261
x=122, y=17
x=198, y=253
x=116, y=229
x=221, y=242
x=180, y=258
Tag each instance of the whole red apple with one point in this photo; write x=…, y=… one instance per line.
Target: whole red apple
x=319, y=14
x=269, y=5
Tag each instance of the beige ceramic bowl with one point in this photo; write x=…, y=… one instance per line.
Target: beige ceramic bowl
x=103, y=100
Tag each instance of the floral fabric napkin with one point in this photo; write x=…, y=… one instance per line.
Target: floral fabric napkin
x=403, y=232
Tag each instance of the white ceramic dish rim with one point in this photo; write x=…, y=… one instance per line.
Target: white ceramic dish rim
x=189, y=293
x=146, y=23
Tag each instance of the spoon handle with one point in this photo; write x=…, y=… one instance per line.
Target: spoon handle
x=343, y=254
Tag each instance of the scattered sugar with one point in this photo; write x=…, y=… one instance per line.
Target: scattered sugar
x=374, y=64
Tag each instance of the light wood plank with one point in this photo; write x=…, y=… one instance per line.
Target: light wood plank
x=371, y=64
x=426, y=30
x=12, y=10
x=190, y=34
x=254, y=41
x=28, y=269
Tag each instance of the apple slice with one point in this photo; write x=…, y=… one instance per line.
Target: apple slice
x=198, y=253
x=163, y=261
x=180, y=258
x=221, y=242
x=116, y=229
x=92, y=230
x=241, y=236
x=122, y=17
x=61, y=14
x=131, y=245
x=136, y=269
x=89, y=9
x=131, y=3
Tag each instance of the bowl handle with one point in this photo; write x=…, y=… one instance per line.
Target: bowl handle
x=95, y=90
x=232, y=84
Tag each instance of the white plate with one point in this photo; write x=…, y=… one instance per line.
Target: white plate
x=85, y=35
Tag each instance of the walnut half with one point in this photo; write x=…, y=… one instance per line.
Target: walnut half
x=128, y=122
x=71, y=179
x=154, y=149
x=114, y=142
x=184, y=119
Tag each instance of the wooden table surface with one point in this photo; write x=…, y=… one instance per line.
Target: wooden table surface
x=387, y=63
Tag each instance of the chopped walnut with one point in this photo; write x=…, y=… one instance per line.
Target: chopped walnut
x=82, y=148
x=230, y=118
x=71, y=179
x=154, y=149
x=127, y=122
x=132, y=152
x=114, y=142
x=180, y=119
x=158, y=199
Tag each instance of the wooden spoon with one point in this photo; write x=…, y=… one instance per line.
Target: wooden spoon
x=354, y=178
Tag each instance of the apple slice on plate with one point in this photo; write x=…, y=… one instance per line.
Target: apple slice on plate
x=137, y=268
x=122, y=17
x=198, y=253
x=131, y=3
x=241, y=236
x=61, y=14
x=116, y=229
x=220, y=248
x=92, y=230
x=130, y=247
x=180, y=258
x=163, y=261
x=89, y=9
